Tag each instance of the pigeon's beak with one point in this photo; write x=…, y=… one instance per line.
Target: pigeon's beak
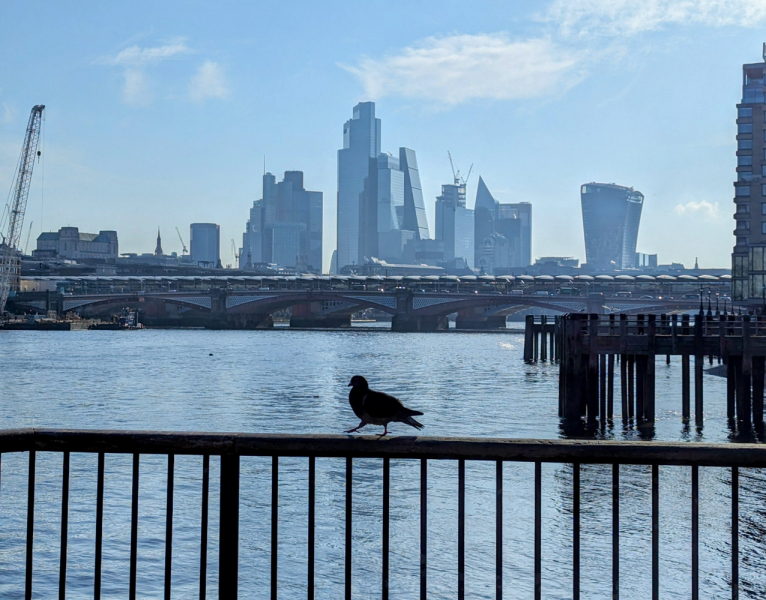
x=349, y=385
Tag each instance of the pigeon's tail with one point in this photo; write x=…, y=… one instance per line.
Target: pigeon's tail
x=410, y=421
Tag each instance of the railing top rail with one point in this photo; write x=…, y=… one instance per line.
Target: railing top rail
x=247, y=444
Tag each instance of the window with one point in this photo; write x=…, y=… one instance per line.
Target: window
x=744, y=208
x=745, y=112
x=763, y=189
x=745, y=161
x=763, y=170
x=745, y=176
x=743, y=225
x=763, y=208
x=742, y=190
x=743, y=241
x=745, y=145
x=745, y=128
x=763, y=227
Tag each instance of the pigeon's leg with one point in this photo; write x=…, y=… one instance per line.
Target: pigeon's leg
x=385, y=430
x=357, y=428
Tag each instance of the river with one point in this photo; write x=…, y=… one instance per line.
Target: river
x=467, y=384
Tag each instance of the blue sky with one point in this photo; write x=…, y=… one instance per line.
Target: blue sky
x=160, y=113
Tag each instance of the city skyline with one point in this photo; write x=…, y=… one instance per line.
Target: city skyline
x=153, y=121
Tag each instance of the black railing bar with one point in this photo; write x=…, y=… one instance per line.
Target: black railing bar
x=695, y=533
x=734, y=533
x=615, y=532
x=499, y=530
x=576, y=531
x=64, y=526
x=274, y=524
x=386, y=510
x=169, y=526
x=461, y=530
x=30, y=525
x=99, y=526
x=203, y=532
x=349, y=523
x=655, y=532
x=312, y=517
x=341, y=446
x=538, y=529
x=423, y=529
x=134, y=530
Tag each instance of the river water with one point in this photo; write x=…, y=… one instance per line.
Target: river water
x=295, y=381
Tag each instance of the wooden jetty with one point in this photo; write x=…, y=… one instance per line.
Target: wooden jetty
x=588, y=346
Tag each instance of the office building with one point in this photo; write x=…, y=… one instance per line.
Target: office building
x=285, y=225
x=361, y=142
x=71, y=243
x=610, y=216
x=380, y=207
x=205, y=244
x=455, y=225
x=511, y=221
x=748, y=268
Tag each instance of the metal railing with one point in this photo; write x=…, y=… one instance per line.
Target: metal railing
x=230, y=447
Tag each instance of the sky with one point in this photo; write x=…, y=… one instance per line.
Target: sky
x=160, y=114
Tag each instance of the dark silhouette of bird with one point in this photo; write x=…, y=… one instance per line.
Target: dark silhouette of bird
x=377, y=408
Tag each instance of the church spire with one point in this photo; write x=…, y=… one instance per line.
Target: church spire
x=158, y=250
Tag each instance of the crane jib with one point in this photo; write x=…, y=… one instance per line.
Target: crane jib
x=10, y=256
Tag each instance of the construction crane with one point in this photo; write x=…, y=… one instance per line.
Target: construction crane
x=235, y=253
x=456, y=174
x=29, y=234
x=10, y=264
x=184, y=251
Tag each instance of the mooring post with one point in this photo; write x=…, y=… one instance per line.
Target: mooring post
x=535, y=343
x=529, y=323
x=543, y=339
x=649, y=408
x=744, y=406
x=699, y=359
x=664, y=331
x=610, y=388
x=592, y=392
x=758, y=374
x=631, y=386
x=624, y=387
x=640, y=388
x=674, y=334
x=602, y=390
x=685, y=388
x=731, y=387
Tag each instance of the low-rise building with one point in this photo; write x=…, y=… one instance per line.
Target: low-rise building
x=71, y=243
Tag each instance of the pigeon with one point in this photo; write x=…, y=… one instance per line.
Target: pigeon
x=377, y=408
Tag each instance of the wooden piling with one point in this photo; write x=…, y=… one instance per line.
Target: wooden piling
x=610, y=388
x=640, y=388
x=685, y=388
x=744, y=404
x=731, y=388
x=699, y=359
x=759, y=362
x=529, y=326
x=624, y=387
x=631, y=387
x=592, y=382
x=649, y=407
x=602, y=390
x=543, y=339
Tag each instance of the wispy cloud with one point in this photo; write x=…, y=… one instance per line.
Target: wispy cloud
x=459, y=68
x=134, y=60
x=208, y=82
x=630, y=17
x=702, y=208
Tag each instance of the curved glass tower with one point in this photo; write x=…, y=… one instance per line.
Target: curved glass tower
x=610, y=218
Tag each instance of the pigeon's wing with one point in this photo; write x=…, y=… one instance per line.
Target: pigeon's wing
x=380, y=405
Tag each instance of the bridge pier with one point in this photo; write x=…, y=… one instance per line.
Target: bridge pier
x=240, y=321
x=409, y=323
x=471, y=319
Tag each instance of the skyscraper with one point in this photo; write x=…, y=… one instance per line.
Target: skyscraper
x=455, y=225
x=205, y=244
x=512, y=222
x=285, y=226
x=361, y=142
x=748, y=269
x=610, y=216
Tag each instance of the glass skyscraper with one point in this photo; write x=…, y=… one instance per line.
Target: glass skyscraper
x=455, y=225
x=748, y=259
x=361, y=142
x=512, y=222
x=611, y=215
